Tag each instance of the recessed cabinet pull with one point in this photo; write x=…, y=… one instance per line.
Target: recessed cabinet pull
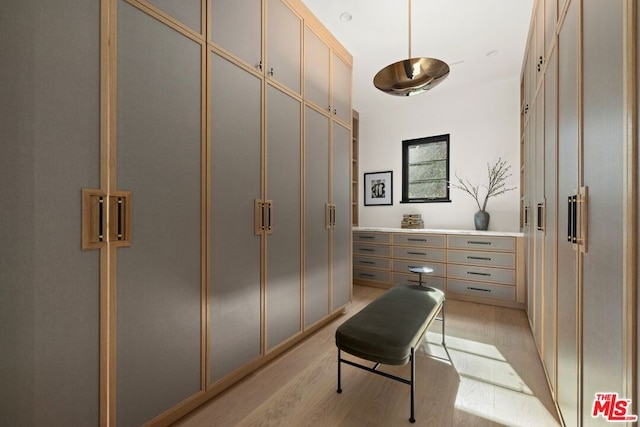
x=269, y=227
x=366, y=237
x=333, y=215
x=569, y=219
x=366, y=262
x=367, y=250
x=574, y=221
x=101, y=219
x=480, y=258
x=539, y=218
x=366, y=275
x=416, y=240
x=417, y=253
x=470, y=288
x=106, y=218
x=475, y=273
x=475, y=242
x=577, y=218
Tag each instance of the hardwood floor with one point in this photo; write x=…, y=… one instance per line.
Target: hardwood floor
x=496, y=379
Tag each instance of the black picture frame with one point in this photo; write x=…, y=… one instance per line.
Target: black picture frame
x=378, y=188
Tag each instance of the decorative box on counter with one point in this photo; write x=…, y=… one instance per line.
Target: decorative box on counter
x=412, y=221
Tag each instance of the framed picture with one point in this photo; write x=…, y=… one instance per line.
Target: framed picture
x=378, y=188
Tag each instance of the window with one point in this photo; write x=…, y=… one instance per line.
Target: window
x=425, y=170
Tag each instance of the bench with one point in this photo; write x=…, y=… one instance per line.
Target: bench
x=389, y=329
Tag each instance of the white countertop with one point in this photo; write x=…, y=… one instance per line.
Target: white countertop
x=436, y=231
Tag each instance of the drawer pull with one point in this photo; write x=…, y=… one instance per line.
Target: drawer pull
x=478, y=289
x=478, y=274
x=366, y=250
x=476, y=242
x=366, y=237
x=366, y=275
x=483, y=258
x=417, y=253
x=416, y=240
x=366, y=262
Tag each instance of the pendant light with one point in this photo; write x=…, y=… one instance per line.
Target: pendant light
x=411, y=76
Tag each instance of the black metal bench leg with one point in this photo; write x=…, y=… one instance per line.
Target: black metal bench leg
x=413, y=385
x=339, y=363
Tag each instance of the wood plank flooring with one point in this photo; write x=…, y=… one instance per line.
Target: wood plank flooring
x=496, y=379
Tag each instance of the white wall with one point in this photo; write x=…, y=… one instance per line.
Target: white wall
x=483, y=122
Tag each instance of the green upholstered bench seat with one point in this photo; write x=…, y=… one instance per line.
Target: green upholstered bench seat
x=386, y=329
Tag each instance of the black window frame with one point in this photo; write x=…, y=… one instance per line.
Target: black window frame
x=405, y=168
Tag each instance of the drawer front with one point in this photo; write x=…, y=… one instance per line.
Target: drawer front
x=423, y=254
x=365, y=274
x=368, y=250
x=507, y=244
x=472, y=272
x=433, y=240
x=412, y=279
x=481, y=289
x=402, y=266
x=383, y=263
x=361, y=236
x=490, y=259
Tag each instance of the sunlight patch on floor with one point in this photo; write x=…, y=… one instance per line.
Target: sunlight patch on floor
x=490, y=387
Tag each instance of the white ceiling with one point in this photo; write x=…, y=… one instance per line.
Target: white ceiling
x=459, y=32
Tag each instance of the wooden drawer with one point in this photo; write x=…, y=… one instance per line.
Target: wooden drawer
x=382, y=263
x=487, y=274
x=361, y=236
x=402, y=266
x=432, y=240
x=368, y=250
x=489, y=259
x=480, y=289
x=366, y=274
x=423, y=254
x=412, y=279
x=507, y=244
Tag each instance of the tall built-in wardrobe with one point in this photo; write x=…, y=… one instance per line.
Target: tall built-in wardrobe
x=579, y=198
x=176, y=201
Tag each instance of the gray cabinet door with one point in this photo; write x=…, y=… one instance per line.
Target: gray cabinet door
x=316, y=70
x=159, y=159
x=341, y=89
x=236, y=26
x=50, y=149
x=235, y=302
x=538, y=234
x=283, y=183
x=603, y=284
x=550, y=220
x=567, y=389
x=341, y=232
x=316, y=268
x=284, y=45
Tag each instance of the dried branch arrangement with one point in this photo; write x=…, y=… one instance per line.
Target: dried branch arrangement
x=498, y=174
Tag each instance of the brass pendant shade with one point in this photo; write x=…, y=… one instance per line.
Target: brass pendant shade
x=411, y=76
